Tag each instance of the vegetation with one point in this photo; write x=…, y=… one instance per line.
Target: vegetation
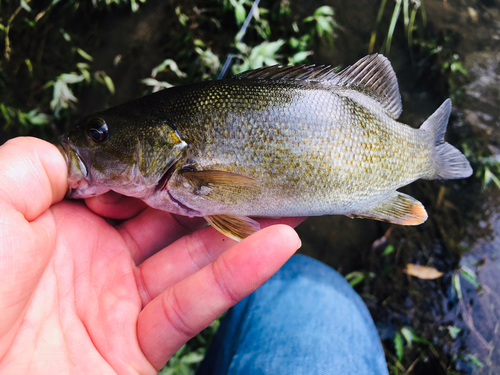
x=47, y=63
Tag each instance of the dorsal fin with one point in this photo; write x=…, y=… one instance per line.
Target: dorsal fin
x=294, y=73
x=373, y=75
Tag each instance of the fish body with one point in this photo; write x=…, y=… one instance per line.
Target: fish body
x=291, y=141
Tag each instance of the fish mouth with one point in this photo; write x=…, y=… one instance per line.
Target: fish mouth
x=77, y=169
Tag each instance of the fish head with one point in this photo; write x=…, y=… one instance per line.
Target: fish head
x=120, y=153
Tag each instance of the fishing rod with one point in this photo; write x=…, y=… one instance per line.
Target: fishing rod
x=239, y=37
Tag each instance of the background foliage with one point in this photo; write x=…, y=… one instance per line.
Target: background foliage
x=47, y=61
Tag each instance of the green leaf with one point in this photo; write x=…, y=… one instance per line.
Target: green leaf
x=157, y=85
x=25, y=6
x=5, y=113
x=37, y=118
x=172, y=65
x=71, y=78
x=456, y=285
x=454, y=331
x=193, y=357
x=109, y=83
x=471, y=277
x=199, y=43
x=398, y=345
x=271, y=48
x=472, y=358
x=62, y=95
x=66, y=36
x=300, y=56
x=354, y=278
x=324, y=10
x=134, y=6
x=489, y=176
x=457, y=66
x=240, y=13
x=82, y=66
x=323, y=26
x=388, y=250
x=29, y=66
x=84, y=54
x=181, y=16
x=408, y=335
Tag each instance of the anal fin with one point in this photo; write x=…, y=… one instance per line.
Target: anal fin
x=235, y=227
x=398, y=209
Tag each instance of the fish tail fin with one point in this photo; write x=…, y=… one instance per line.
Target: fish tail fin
x=450, y=162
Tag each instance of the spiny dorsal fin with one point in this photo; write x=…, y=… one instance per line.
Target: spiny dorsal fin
x=235, y=227
x=398, y=209
x=290, y=73
x=373, y=75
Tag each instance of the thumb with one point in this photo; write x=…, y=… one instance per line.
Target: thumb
x=34, y=175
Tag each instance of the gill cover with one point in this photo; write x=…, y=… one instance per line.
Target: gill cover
x=125, y=154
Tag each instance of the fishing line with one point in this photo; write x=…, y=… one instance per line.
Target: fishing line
x=239, y=37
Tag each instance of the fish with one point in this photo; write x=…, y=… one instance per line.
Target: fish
x=270, y=142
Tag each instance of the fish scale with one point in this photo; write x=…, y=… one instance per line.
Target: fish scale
x=306, y=138
x=292, y=141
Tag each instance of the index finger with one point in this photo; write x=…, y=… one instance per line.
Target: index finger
x=184, y=309
x=34, y=175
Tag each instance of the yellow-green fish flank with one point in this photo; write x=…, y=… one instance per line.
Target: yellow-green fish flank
x=291, y=141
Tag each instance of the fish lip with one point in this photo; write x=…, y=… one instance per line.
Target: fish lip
x=77, y=169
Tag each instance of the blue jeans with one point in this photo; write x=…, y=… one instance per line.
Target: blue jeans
x=305, y=320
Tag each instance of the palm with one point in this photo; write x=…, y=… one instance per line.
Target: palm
x=79, y=293
x=95, y=294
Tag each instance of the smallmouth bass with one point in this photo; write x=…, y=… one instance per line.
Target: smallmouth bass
x=275, y=141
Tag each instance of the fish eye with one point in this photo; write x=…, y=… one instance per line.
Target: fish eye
x=97, y=130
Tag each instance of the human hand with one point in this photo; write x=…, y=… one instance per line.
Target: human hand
x=78, y=294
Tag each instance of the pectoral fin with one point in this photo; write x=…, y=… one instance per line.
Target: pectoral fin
x=220, y=185
x=235, y=227
x=399, y=209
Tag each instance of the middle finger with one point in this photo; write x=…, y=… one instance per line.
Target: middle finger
x=188, y=255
